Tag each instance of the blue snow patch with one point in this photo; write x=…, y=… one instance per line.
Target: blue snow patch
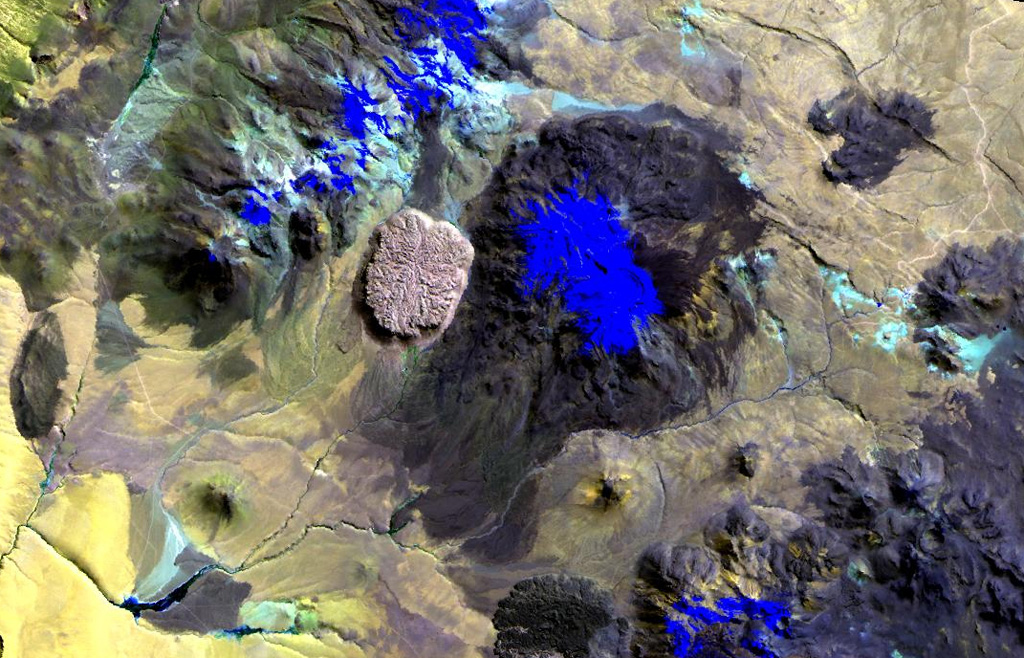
x=332, y=156
x=255, y=211
x=365, y=118
x=358, y=114
x=746, y=181
x=458, y=24
x=690, y=618
x=441, y=38
x=310, y=181
x=577, y=248
x=433, y=80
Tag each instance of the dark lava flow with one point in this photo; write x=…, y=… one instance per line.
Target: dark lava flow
x=875, y=134
x=558, y=615
x=936, y=532
x=36, y=376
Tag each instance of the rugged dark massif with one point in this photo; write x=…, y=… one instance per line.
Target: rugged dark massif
x=508, y=381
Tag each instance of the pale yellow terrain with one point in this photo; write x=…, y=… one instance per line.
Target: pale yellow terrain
x=52, y=609
x=22, y=470
x=87, y=522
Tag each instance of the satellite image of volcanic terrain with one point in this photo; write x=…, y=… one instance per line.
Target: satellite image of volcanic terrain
x=511, y=329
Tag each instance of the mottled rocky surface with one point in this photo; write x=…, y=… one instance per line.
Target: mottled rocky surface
x=418, y=270
x=557, y=615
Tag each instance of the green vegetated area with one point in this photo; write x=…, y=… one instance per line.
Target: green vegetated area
x=29, y=31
